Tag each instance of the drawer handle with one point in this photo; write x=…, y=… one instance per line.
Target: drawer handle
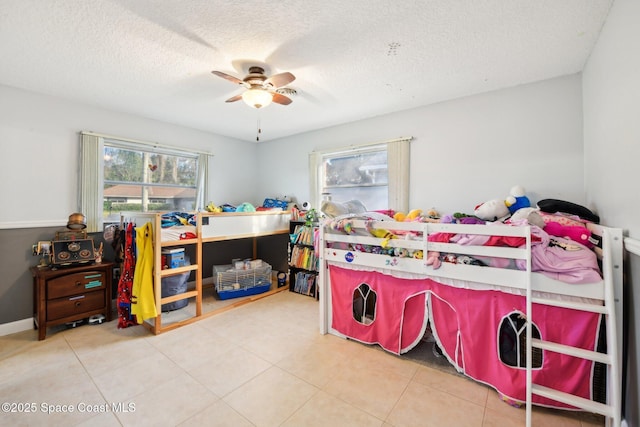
x=76, y=298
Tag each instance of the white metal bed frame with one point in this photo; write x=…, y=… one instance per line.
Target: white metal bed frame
x=604, y=297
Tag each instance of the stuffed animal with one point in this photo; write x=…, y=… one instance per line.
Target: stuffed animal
x=334, y=209
x=492, y=210
x=401, y=252
x=413, y=215
x=516, y=199
x=381, y=233
x=213, y=208
x=470, y=220
x=344, y=224
x=245, y=207
x=431, y=215
x=532, y=215
x=433, y=259
x=573, y=232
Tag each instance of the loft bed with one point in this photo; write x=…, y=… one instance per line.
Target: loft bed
x=183, y=229
x=174, y=226
x=492, y=297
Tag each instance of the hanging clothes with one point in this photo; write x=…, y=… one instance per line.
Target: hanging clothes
x=125, y=284
x=143, y=301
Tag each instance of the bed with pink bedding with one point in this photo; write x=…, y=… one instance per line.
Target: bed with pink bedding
x=386, y=283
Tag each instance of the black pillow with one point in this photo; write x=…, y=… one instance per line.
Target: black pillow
x=553, y=206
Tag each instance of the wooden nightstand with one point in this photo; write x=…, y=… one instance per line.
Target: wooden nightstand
x=69, y=294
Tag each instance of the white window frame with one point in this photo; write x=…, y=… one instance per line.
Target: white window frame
x=91, y=176
x=398, y=152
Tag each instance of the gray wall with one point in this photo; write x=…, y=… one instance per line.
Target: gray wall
x=16, y=292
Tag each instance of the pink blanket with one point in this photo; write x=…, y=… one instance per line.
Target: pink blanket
x=556, y=257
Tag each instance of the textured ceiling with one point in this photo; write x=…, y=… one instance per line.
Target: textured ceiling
x=353, y=59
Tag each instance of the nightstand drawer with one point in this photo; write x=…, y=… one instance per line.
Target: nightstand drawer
x=75, y=283
x=73, y=305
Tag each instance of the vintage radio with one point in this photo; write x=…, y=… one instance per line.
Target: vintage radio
x=71, y=252
x=71, y=246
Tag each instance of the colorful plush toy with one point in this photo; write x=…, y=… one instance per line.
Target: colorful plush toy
x=245, y=207
x=573, y=232
x=432, y=214
x=492, y=210
x=401, y=252
x=517, y=199
x=433, y=259
x=213, y=208
x=345, y=225
x=413, y=215
x=381, y=233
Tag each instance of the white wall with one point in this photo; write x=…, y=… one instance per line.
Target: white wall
x=40, y=145
x=611, y=87
x=465, y=151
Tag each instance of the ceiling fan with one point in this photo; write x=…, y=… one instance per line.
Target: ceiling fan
x=261, y=90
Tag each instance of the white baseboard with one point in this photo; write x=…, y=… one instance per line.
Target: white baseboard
x=17, y=326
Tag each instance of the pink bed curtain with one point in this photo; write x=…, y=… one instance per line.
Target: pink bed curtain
x=466, y=325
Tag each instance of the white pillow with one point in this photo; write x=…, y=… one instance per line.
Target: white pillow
x=334, y=209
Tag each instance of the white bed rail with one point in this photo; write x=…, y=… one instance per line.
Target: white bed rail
x=357, y=246
x=612, y=289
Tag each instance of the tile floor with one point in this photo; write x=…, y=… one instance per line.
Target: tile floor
x=262, y=364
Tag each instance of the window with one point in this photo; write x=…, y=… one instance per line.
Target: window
x=119, y=175
x=376, y=174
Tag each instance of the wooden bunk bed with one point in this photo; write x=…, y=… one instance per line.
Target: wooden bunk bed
x=389, y=289
x=199, y=229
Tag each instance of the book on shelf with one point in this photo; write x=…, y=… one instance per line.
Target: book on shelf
x=303, y=257
x=305, y=283
x=167, y=251
x=303, y=235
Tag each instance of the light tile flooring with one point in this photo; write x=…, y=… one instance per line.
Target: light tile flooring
x=262, y=364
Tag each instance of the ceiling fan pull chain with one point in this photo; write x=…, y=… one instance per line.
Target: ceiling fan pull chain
x=259, y=131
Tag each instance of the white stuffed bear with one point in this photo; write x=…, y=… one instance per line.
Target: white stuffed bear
x=492, y=210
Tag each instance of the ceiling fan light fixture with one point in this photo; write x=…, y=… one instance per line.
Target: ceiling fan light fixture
x=257, y=98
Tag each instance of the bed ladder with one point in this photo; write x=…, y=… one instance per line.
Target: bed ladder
x=612, y=358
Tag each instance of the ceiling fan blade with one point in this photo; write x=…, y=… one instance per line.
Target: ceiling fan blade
x=234, y=98
x=231, y=78
x=279, y=80
x=281, y=99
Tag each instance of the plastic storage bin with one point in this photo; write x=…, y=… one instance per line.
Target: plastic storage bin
x=232, y=283
x=174, y=285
